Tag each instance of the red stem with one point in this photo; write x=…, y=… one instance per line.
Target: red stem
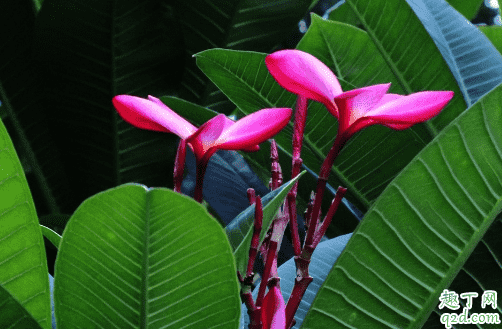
x=321, y=186
x=255, y=240
x=251, y=196
x=303, y=279
x=201, y=171
x=293, y=224
x=179, y=165
x=271, y=254
x=329, y=216
x=276, y=179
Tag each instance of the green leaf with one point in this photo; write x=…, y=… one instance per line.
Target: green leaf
x=52, y=236
x=240, y=230
x=467, y=8
x=494, y=34
x=14, y=315
x=465, y=49
x=90, y=52
x=192, y=112
x=23, y=267
x=133, y=257
x=418, y=234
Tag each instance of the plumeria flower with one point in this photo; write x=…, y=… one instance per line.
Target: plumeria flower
x=360, y=108
x=219, y=133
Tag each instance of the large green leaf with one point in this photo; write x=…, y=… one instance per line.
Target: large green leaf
x=240, y=230
x=133, y=257
x=22, y=108
x=14, y=315
x=467, y=51
x=418, y=234
x=89, y=52
x=23, y=267
x=245, y=25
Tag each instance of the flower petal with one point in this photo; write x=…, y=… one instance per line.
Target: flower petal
x=303, y=74
x=254, y=129
x=411, y=109
x=273, y=314
x=206, y=136
x=354, y=104
x=151, y=115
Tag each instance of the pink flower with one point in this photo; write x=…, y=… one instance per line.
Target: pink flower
x=219, y=133
x=273, y=311
x=303, y=74
x=371, y=105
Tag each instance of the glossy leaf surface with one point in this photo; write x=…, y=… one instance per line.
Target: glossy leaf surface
x=23, y=267
x=134, y=257
x=14, y=315
x=466, y=50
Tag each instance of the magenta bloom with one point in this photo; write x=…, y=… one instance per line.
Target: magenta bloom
x=273, y=314
x=371, y=105
x=303, y=74
x=219, y=133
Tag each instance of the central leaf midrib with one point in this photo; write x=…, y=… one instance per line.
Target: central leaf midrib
x=145, y=268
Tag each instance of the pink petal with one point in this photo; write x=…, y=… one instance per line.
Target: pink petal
x=206, y=136
x=411, y=109
x=273, y=314
x=254, y=129
x=401, y=112
x=354, y=104
x=151, y=115
x=303, y=74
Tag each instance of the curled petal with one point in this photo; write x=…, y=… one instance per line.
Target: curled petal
x=254, y=129
x=303, y=74
x=354, y=104
x=411, y=109
x=207, y=134
x=401, y=112
x=273, y=314
x=151, y=115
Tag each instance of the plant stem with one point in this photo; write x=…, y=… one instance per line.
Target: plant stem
x=298, y=130
x=276, y=179
x=271, y=255
x=340, y=193
x=321, y=186
x=201, y=171
x=293, y=224
x=255, y=240
x=179, y=165
x=303, y=279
